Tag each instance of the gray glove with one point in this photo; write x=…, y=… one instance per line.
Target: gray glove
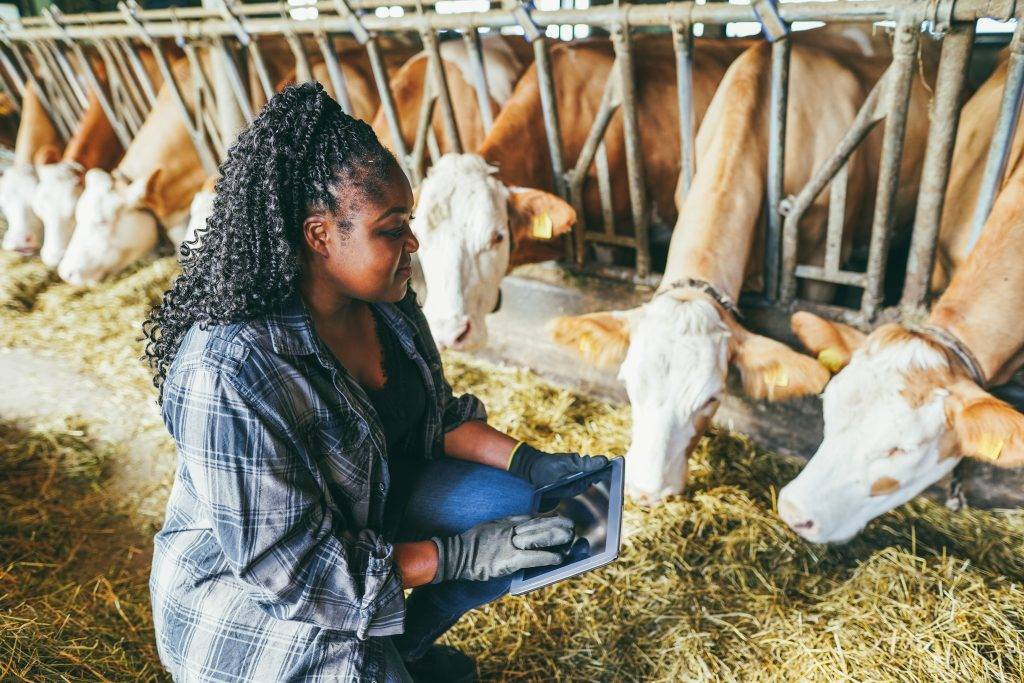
x=502, y=547
x=540, y=468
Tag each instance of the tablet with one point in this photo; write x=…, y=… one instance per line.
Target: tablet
x=594, y=502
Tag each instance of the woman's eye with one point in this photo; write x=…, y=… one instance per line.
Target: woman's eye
x=896, y=452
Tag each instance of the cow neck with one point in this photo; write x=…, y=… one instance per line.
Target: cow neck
x=983, y=306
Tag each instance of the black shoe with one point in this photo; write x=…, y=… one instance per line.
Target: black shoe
x=442, y=664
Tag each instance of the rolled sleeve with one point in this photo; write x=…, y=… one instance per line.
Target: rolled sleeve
x=278, y=531
x=459, y=409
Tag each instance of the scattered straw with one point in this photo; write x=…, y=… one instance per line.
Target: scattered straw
x=710, y=585
x=21, y=280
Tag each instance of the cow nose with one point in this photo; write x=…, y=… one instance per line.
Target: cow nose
x=798, y=520
x=497, y=304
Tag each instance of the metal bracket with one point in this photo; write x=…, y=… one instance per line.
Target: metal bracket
x=227, y=11
x=127, y=8
x=521, y=13
x=939, y=17
x=359, y=31
x=767, y=13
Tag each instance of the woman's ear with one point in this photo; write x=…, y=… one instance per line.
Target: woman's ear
x=316, y=230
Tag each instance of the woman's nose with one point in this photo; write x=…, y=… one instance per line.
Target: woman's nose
x=412, y=244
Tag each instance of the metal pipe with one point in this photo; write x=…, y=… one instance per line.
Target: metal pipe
x=422, y=128
x=476, y=66
x=387, y=103
x=840, y=277
x=124, y=72
x=793, y=208
x=1002, y=137
x=634, y=152
x=261, y=68
x=30, y=79
x=776, y=164
x=141, y=75
x=205, y=102
x=122, y=102
x=64, y=93
x=897, y=102
x=238, y=89
x=334, y=73
x=682, y=45
x=56, y=107
x=436, y=67
x=13, y=74
x=951, y=77
x=303, y=74
x=70, y=77
x=85, y=65
x=604, y=190
x=841, y=11
x=836, y=220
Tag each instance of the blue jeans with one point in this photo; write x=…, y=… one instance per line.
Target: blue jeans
x=450, y=497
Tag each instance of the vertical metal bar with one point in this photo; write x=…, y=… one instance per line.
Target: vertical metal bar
x=451, y=128
x=118, y=87
x=836, y=219
x=604, y=188
x=634, y=152
x=205, y=102
x=303, y=74
x=471, y=38
x=101, y=96
x=62, y=120
x=13, y=74
x=422, y=130
x=124, y=71
x=897, y=100
x=776, y=165
x=867, y=118
x=141, y=75
x=69, y=75
x=335, y=73
x=62, y=89
x=1006, y=126
x=261, y=68
x=234, y=79
x=682, y=45
x=956, y=55
x=549, y=107
x=387, y=103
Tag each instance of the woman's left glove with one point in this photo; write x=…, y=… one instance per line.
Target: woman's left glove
x=540, y=468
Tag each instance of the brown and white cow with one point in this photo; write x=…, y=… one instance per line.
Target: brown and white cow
x=904, y=409
x=675, y=350
x=35, y=132
x=478, y=215
x=506, y=59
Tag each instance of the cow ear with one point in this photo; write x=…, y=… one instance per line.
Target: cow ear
x=987, y=429
x=833, y=343
x=538, y=215
x=770, y=369
x=601, y=339
x=45, y=155
x=210, y=184
x=142, y=192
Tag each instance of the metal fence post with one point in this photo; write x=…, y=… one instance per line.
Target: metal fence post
x=952, y=74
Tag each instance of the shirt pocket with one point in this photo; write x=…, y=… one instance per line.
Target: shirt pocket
x=345, y=454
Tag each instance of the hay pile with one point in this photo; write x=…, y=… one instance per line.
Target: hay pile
x=710, y=585
x=74, y=603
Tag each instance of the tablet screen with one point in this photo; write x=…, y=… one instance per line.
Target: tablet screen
x=594, y=504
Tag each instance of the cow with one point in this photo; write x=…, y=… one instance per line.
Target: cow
x=480, y=214
x=119, y=215
x=674, y=351
x=505, y=58
x=909, y=402
x=35, y=132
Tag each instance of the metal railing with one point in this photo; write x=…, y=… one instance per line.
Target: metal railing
x=37, y=51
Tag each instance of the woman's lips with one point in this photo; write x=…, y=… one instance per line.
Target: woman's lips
x=404, y=272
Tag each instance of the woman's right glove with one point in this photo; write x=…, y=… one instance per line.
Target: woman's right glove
x=502, y=547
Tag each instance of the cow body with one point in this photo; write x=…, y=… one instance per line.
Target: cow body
x=905, y=408
x=480, y=214
x=675, y=350
x=18, y=183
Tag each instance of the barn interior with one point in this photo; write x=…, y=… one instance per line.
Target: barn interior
x=710, y=584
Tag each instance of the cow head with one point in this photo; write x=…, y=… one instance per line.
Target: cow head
x=24, y=229
x=114, y=228
x=674, y=353
x=472, y=228
x=54, y=200
x=898, y=417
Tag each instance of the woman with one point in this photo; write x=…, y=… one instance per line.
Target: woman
x=324, y=464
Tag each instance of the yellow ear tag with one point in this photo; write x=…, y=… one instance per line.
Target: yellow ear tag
x=776, y=376
x=586, y=345
x=542, y=227
x=831, y=359
x=990, y=446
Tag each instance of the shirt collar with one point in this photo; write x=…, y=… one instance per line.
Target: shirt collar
x=291, y=332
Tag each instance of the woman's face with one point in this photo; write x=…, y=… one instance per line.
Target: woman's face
x=371, y=258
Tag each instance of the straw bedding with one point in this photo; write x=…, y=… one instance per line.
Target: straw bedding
x=710, y=585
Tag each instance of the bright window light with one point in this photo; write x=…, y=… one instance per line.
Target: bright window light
x=551, y=31
x=993, y=26
x=581, y=30
x=740, y=29
x=547, y=5
x=456, y=6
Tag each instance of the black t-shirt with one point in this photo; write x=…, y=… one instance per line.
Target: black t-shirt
x=400, y=404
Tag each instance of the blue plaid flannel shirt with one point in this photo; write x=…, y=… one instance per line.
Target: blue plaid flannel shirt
x=270, y=565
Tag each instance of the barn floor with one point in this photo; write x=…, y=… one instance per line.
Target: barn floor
x=709, y=586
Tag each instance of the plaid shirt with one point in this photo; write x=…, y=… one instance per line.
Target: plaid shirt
x=270, y=565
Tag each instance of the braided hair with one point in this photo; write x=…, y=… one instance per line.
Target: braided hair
x=248, y=258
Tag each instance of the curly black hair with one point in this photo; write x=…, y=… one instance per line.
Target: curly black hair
x=290, y=162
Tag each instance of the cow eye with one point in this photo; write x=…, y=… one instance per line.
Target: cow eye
x=893, y=452
x=496, y=239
